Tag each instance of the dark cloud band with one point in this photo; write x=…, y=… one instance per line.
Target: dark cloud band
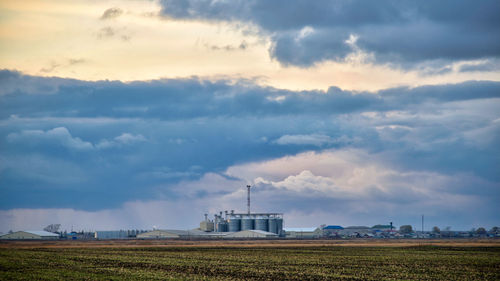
x=402, y=33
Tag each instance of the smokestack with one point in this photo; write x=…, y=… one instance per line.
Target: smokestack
x=248, y=199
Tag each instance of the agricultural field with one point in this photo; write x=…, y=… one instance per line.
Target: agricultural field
x=251, y=262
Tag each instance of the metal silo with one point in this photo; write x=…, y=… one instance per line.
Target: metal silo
x=247, y=223
x=261, y=223
x=273, y=225
x=234, y=224
x=222, y=226
x=279, y=226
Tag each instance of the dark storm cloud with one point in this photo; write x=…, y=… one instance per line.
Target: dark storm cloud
x=66, y=141
x=194, y=98
x=489, y=65
x=403, y=33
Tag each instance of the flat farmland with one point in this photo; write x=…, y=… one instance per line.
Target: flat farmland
x=251, y=260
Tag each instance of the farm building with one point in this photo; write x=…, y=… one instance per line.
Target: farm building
x=174, y=233
x=303, y=232
x=30, y=234
x=111, y=234
x=198, y=234
x=117, y=234
x=251, y=233
x=158, y=234
x=331, y=230
x=356, y=231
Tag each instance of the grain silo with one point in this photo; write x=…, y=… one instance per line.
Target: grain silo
x=247, y=223
x=261, y=223
x=273, y=225
x=234, y=224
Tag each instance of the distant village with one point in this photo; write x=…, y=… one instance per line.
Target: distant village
x=52, y=232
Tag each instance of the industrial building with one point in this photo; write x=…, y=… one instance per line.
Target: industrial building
x=31, y=234
x=228, y=225
x=251, y=234
x=238, y=222
x=111, y=234
x=332, y=230
x=198, y=234
x=303, y=232
x=161, y=234
x=356, y=231
x=181, y=234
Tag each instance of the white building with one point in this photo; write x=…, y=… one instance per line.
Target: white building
x=31, y=234
x=302, y=232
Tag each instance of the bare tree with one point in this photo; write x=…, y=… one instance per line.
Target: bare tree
x=54, y=228
x=405, y=229
x=481, y=230
x=436, y=230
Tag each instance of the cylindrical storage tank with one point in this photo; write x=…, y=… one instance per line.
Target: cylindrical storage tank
x=279, y=226
x=247, y=224
x=261, y=223
x=273, y=225
x=222, y=227
x=234, y=224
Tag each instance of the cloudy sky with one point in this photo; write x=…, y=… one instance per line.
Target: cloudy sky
x=135, y=113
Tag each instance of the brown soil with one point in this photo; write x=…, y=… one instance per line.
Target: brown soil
x=249, y=243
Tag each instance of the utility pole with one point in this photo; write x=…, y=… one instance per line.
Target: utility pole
x=248, y=199
x=422, y=226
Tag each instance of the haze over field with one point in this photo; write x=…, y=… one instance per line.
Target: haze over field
x=122, y=114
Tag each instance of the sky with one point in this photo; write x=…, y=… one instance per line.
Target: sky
x=139, y=114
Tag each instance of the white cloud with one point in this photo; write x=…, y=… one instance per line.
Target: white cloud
x=359, y=178
x=62, y=136
x=304, y=32
x=306, y=181
x=59, y=135
x=127, y=138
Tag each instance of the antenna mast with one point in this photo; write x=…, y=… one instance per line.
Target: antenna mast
x=422, y=225
x=248, y=199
